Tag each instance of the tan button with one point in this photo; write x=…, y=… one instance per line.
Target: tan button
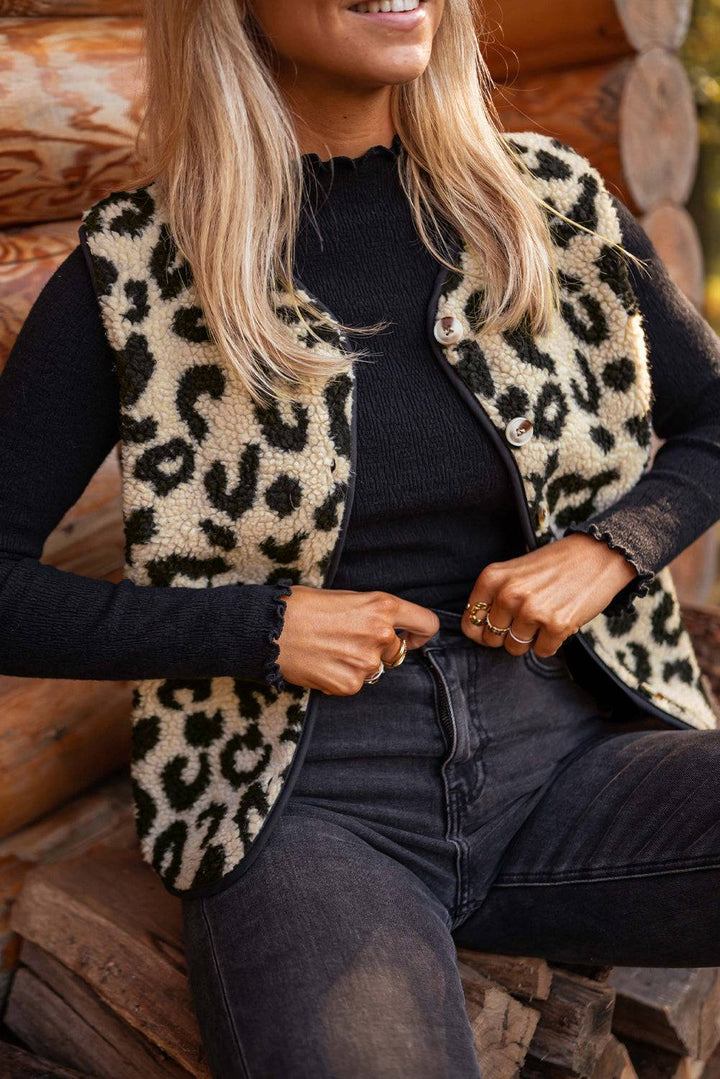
x=543, y=512
x=519, y=430
x=448, y=330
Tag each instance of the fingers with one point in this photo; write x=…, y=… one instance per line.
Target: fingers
x=419, y=623
x=489, y=623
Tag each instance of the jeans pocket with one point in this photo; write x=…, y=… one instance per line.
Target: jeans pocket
x=547, y=666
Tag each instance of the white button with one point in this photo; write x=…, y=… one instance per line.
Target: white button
x=519, y=430
x=448, y=330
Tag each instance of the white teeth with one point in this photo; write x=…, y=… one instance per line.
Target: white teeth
x=371, y=7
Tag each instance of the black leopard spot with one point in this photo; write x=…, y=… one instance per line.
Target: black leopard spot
x=284, y=496
x=172, y=275
x=583, y=211
x=551, y=410
x=527, y=349
x=619, y=374
x=215, y=813
x=640, y=429
x=254, y=798
x=200, y=689
x=218, y=535
x=105, y=273
x=188, y=323
x=336, y=393
x=172, y=840
x=614, y=272
x=181, y=794
x=283, y=572
x=593, y=329
x=201, y=730
x=285, y=436
x=241, y=498
x=474, y=369
x=326, y=515
x=145, y=809
x=286, y=552
x=138, y=431
x=136, y=210
x=211, y=867
x=514, y=402
x=135, y=366
x=602, y=438
x=145, y=736
x=574, y=483
x=678, y=668
x=195, y=382
x=588, y=397
x=640, y=663
x=137, y=293
x=661, y=632
x=140, y=528
x=551, y=167
x=620, y=624
x=177, y=451
x=163, y=571
x=239, y=743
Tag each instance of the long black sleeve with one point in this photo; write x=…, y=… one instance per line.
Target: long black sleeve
x=59, y=418
x=678, y=497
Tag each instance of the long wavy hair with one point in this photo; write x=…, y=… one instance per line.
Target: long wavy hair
x=218, y=139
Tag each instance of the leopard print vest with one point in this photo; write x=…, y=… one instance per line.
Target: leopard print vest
x=205, y=476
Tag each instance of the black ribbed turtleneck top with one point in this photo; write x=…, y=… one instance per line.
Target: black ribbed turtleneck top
x=432, y=502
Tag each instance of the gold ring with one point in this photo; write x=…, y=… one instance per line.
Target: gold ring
x=501, y=631
x=480, y=605
x=402, y=652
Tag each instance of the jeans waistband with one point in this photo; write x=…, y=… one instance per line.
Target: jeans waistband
x=449, y=620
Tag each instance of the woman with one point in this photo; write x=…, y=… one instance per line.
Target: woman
x=488, y=730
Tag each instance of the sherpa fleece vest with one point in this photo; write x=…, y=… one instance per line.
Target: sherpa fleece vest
x=204, y=471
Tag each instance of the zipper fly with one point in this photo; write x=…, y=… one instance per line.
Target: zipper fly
x=445, y=712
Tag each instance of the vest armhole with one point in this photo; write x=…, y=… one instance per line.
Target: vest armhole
x=85, y=246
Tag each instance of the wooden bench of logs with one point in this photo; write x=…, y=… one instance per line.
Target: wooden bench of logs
x=96, y=983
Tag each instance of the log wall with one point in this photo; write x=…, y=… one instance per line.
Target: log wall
x=600, y=74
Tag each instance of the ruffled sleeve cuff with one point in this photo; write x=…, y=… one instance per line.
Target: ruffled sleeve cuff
x=271, y=670
x=624, y=600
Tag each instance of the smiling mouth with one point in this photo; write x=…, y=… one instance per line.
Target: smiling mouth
x=375, y=7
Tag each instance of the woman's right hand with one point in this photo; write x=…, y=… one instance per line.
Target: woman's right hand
x=334, y=639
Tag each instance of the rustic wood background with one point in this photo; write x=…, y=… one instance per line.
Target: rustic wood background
x=602, y=75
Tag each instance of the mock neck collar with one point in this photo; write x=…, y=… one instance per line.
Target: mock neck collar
x=372, y=159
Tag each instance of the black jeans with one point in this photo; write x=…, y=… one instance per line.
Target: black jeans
x=468, y=797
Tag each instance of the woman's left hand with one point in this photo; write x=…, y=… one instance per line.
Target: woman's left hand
x=551, y=591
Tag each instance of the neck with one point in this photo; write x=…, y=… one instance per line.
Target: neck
x=348, y=120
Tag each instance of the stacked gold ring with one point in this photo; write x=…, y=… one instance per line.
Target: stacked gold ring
x=474, y=608
x=399, y=658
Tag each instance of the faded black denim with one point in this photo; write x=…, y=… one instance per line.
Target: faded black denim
x=468, y=797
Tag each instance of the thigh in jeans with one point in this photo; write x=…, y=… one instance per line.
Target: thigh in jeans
x=619, y=863
x=326, y=958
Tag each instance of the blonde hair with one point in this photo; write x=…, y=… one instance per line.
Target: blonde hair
x=218, y=139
